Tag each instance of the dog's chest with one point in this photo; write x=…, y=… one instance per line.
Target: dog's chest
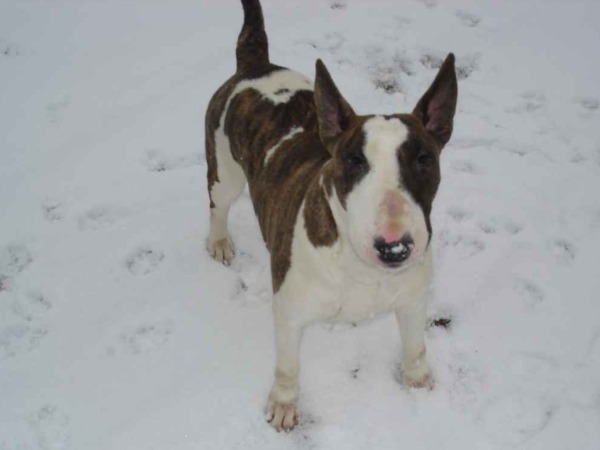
x=330, y=284
x=356, y=300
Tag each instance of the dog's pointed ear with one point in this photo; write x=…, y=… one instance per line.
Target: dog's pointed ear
x=333, y=111
x=436, y=108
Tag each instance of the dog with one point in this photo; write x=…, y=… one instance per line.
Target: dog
x=343, y=200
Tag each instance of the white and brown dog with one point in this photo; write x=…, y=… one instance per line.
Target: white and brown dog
x=343, y=200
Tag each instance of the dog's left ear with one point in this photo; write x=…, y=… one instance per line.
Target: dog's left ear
x=333, y=111
x=436, y=108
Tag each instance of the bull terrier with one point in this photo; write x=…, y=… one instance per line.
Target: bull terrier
x=343, y=200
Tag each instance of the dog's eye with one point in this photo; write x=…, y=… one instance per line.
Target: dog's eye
x=424, y=160
x=355, y=160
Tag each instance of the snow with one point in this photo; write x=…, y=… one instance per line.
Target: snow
x=117, y=331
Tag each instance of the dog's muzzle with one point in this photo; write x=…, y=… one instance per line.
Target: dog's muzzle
x=393, y=254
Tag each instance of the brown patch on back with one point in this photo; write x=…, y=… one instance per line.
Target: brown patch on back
x=214, y=112
x=254, y=125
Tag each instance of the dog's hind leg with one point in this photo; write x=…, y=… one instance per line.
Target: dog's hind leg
x=226, y=180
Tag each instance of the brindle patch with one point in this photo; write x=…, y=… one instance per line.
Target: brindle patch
x=254, y=124
x=419, y=163
x=214, y=112
x=318, y=219
x=277, y=194
x=349, y=145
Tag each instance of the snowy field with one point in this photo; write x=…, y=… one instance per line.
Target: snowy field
x=117, y=331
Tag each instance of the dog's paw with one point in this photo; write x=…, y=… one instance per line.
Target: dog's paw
x=221, y=250
x=419, y=377
x=282, y=416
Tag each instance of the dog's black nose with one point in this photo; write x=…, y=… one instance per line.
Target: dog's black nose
x=394, y=253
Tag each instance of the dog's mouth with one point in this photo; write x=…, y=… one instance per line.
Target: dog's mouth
x=394, y=254
x=391, y=257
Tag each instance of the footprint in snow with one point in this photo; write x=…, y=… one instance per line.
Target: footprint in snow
x=530, y=292
x=465, y=65
x=468, y=19
x=57, y=107
x=497, y=225
x=144, y=260
x=20, y=329
x=17, y=339
x=464, y=166
x=51, y=428
x=515, y=419
x=461, y=247
x=563, y=250
x=338, y=5
x=31, y=307
x=253, y=285
x=9, y=50
x=458, y=214
x=142, y=339
x=529, y=102
x=14, y=259
x=157, y=161
x=429, y=3
x=331, y=42
x=100, y=216
x=53, y=210
x=387, y=71
x=589, y=104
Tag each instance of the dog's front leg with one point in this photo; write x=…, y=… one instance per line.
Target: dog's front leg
x=414, y=369
x=281, y=408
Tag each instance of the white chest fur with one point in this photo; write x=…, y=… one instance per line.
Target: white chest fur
x=331, y=283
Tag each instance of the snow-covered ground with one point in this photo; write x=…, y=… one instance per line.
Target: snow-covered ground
x=117, y=331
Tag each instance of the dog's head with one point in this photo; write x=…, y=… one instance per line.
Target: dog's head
x=386, y=168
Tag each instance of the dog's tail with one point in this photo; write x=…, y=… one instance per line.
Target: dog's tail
x=252, y=47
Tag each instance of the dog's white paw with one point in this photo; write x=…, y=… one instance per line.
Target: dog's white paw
x=220, y=250
x=282, y=416
x=418, y=377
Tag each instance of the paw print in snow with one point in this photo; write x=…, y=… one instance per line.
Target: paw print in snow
x=532, y=295
x=100, y=216
x=563, y=250
x=530, y=102
x=465, y=65
x=144, y=260
x=19, y=338
x=467, y=18
x=338, y=5
x=51, y=428
x=13, y=260
x=157, y=161
x=589, y=104
x=53, y=210
x=31, y=307
x=142, y=339
x=515, y=419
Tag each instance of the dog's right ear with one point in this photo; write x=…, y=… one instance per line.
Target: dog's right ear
x=333, y=111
